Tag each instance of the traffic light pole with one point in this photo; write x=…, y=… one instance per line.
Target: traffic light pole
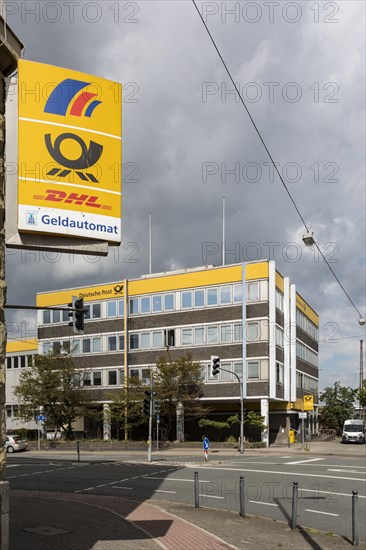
x=149, y=459
x=241, y=409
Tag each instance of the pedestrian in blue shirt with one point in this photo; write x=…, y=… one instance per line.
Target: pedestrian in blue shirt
x=206, y=446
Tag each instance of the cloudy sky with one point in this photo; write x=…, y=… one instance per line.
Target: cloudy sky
x=187, y=143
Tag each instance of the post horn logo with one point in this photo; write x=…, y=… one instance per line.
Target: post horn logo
x=70, y=92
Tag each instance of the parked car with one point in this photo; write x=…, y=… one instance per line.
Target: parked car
x=15, y=443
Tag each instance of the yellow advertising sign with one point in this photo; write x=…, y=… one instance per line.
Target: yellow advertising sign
x=70, y=142
x=308, y=402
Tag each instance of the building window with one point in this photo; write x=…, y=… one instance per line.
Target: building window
x=95, y=311
x=226, y=333
x=56, y=316
x=134, y=341
x=86, y=345
x=134, y=373
x=157, y=303
x=121, y=308
x=8, y=411
x=65, y=316
x=15, y=362
x=169, y=337
x=238, y=369
x=212, y=334
x=145, y=377
x=8, y=362
x=97, y=345
x=112, y=309
x=76, y=347
x=112, y=378
x=237, y=332
x=253, y=332
x=225, y=295
x=187, y=299
x=87, y=379
x=237, y=298
x=279, y=337
x=253, y=292
x=46, y=347
x=212, y=297
x=46, y=317
x=145, y=340
x=169, y=302
x=97, y=378
x=29, y=360
x=226, y=376
x=145, y=304
x=112, y=343
x=279, y=373
x=279, y=300
x=122, y=376
x=187, y=337
x=157, y=339
x=134, y=306
x=121, y=340
x=199, y=298
x=253, y=370
x=199, y=336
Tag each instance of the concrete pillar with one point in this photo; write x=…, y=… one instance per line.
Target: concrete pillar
x=265, y=414
x=106, y=422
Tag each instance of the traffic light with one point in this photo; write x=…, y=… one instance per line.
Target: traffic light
x=215, y=364
x=147, y=401
x=77, y=315
x=157, y=407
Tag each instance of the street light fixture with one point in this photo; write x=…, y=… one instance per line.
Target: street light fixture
x=308, y=238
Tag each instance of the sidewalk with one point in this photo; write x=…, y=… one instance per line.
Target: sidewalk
x=89, y=522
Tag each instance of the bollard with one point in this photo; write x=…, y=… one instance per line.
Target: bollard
x=295, y=498
x=242, y=497
x=355, y=538
x=196, y=491
x=78, y=449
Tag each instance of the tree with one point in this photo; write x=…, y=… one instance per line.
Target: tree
x=53, y=383
x=126, y=410
x=339, y=405
x=178, y=382
x=361, y=396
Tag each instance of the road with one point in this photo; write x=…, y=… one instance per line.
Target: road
x=325, y=484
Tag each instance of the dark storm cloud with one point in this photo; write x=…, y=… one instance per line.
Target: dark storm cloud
x=188, y=143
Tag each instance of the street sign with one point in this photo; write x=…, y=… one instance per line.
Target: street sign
x=302, y=415
x=40, y=418
x=308, y=402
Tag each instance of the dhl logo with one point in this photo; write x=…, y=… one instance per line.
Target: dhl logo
x=72, y=198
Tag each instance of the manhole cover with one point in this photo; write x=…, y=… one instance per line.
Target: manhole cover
x=44, y=530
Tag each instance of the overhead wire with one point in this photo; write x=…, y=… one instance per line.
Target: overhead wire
x=268, y=152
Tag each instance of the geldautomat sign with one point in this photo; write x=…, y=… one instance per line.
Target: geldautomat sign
x=69, y=153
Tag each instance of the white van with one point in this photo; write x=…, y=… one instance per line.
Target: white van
x=353, y=431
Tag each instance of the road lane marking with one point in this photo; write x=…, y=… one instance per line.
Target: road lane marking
x=121, y=487
x=176, y=479
x=345, y=471
x=271, y=472
x=211, y=496
x=266, y=503
x=13, y=465
x=319, y=512
x=305, y=461
x=161, y=491
x=329, y=493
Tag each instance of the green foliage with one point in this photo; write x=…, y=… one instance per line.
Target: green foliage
x=54, y=384
x=361, y=396
x=339, y=405
x=178, y=381
x=126, y=411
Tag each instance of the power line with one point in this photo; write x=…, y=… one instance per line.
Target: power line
x=268, y=152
